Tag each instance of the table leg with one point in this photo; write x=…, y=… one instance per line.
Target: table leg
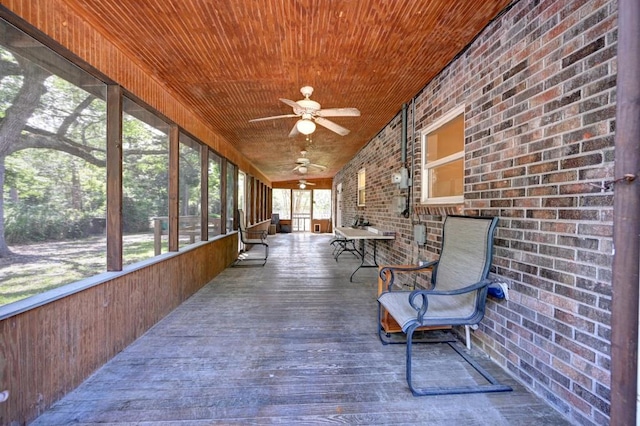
x=363, y=253
x=375, y=252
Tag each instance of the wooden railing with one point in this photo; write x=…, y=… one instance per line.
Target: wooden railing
x=187, y=225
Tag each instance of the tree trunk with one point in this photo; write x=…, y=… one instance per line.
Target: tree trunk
x=14, y=121
x=4, y=248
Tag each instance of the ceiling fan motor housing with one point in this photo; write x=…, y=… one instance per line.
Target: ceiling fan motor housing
x=307, y=107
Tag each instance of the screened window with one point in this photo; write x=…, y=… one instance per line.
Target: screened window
x=281, y=203
x=215, y=191
x=189, y=191
x=322, y=204
x=145, y=182
x=443, y=160
x=52, y=173
x=361, y=186
x=231, y=184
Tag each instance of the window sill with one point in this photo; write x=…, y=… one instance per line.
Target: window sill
x=439, y=209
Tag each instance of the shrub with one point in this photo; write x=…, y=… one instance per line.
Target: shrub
x=26, y=223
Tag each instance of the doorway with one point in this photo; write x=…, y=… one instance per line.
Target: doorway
x=242, y=203
x=338, y=214
x=301, y=210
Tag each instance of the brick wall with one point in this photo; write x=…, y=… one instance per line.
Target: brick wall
x=538, y=86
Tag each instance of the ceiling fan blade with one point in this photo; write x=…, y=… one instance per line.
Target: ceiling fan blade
x=289, y=102
x=296, y=167
x=332, y=126
x=318, y=166
x=272, y=118
x=338, y=112
x=294, y=131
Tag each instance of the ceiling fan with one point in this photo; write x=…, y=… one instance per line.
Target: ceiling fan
x=310, y=113
x=303, y=183
x=303, y=164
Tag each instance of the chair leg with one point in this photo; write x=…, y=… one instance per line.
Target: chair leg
x=264, y=260
x=467, y=336
x=493, y=385
x=266, y=254
x=384, y=337
x=408, y=363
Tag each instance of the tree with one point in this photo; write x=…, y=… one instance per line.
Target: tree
x=34, y=115
x=46, y=118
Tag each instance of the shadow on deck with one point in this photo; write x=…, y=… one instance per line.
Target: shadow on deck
x=293, y=342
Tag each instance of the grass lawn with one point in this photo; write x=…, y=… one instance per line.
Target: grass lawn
x=35, y=268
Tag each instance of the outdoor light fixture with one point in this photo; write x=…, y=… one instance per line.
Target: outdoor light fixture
x=306, y=127
x=303, y=186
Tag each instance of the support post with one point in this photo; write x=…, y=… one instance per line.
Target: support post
x=626, y=220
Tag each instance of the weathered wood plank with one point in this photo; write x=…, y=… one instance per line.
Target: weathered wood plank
x=292, y=342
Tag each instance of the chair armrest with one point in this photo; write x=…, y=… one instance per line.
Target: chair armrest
x=423, y=295
x=387, y=273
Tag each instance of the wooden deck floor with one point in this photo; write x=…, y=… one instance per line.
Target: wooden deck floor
x=293, y=342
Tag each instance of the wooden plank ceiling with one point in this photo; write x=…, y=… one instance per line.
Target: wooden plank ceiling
x=231, y=60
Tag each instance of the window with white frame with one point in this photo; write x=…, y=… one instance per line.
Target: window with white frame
x=281, y=203
x=361, y=186
x=443, y=159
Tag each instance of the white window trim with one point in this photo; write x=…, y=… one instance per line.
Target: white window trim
x=361, y=172
x=424, y=196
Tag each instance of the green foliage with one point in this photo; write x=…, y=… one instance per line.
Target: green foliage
x=145, y=174
x=26, y=222
x=54, y=180
x=189, y=177
x=134, y=216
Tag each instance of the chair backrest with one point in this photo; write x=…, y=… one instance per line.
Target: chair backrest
x=465, y=258
x=242, y=224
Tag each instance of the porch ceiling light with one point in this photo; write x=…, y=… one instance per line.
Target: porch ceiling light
x=306, y=127
x=303, y=186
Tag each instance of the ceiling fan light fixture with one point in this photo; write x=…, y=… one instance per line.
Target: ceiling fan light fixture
x=303, y=186
x=306, y=127
x=303, y=169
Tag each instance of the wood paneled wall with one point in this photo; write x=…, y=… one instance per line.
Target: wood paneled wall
x=50, y=350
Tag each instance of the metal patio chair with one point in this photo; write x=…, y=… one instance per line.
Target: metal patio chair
x=457, y=297
x=341, y=245
x=251, y=238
